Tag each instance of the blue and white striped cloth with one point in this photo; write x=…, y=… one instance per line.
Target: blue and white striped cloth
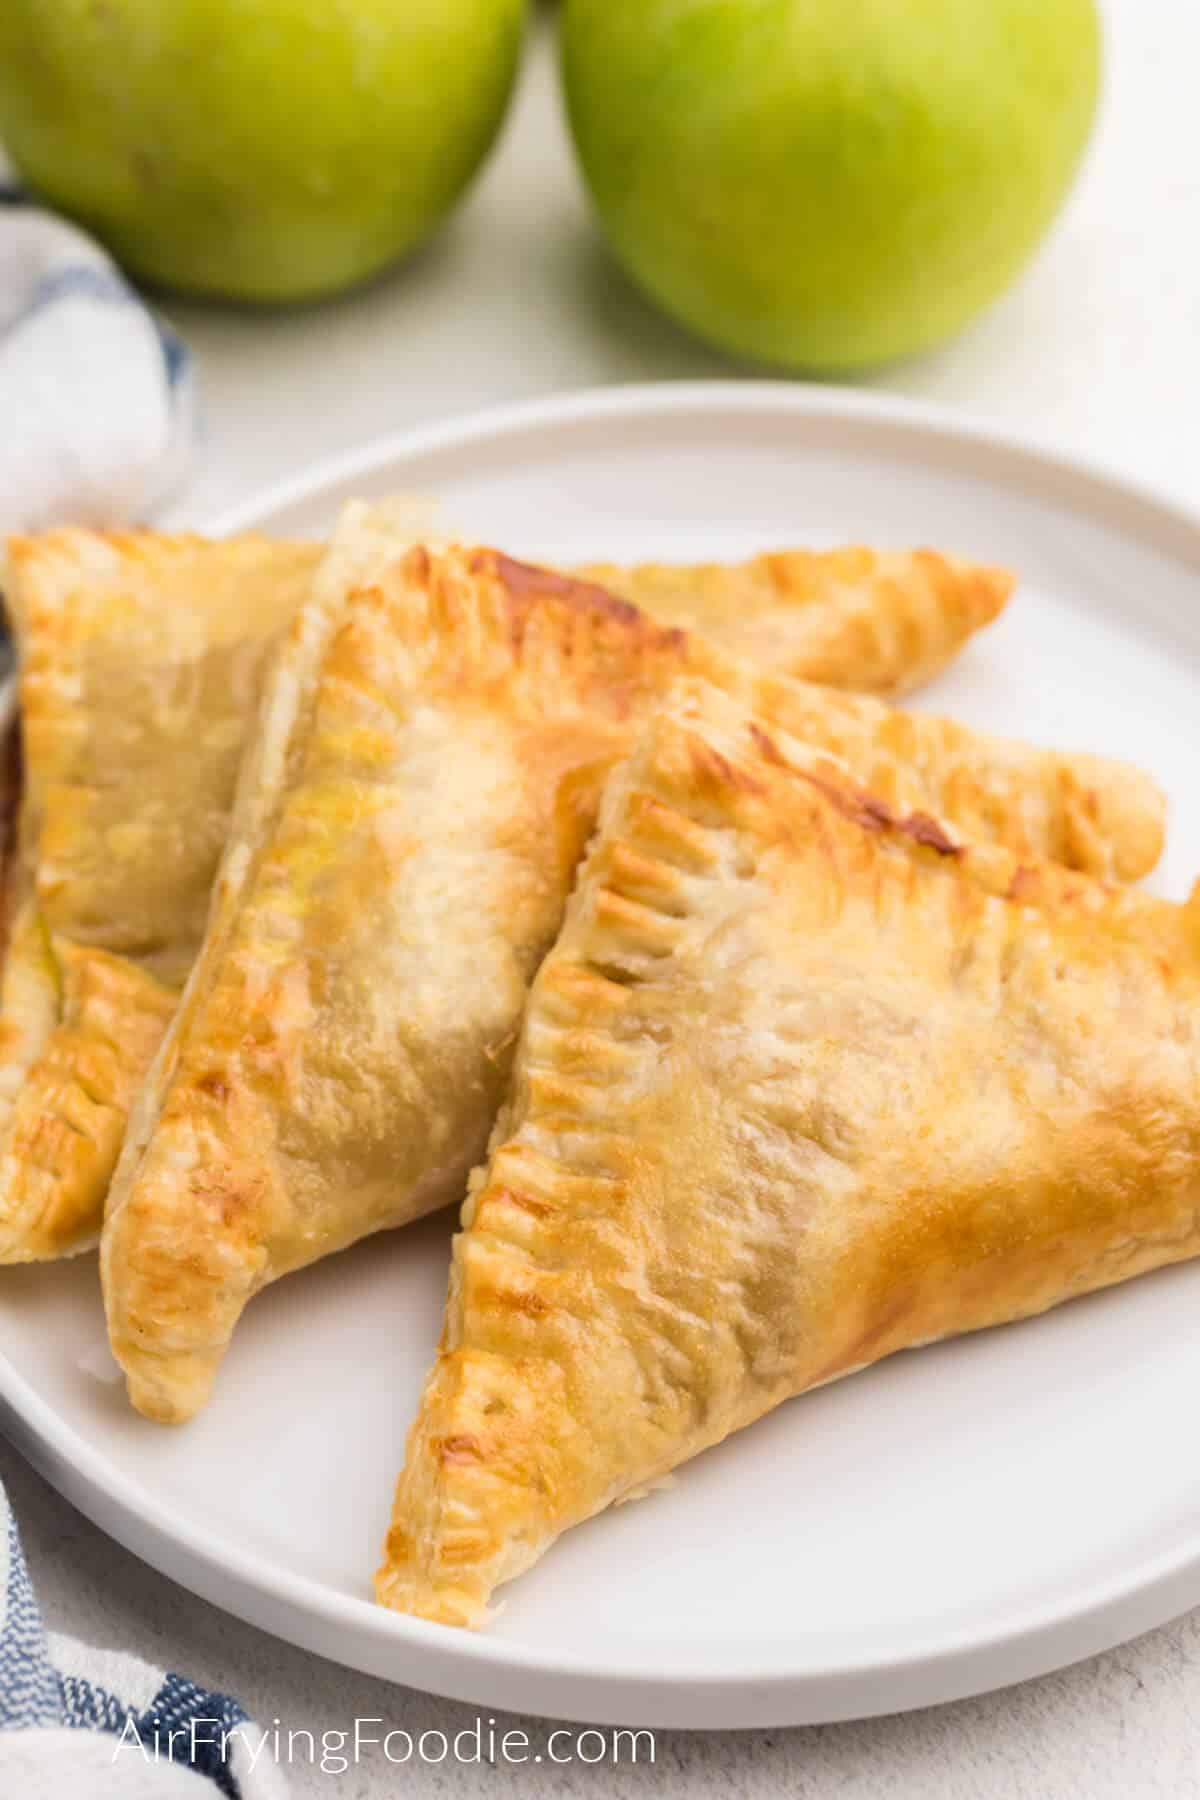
x=96, y=393
x=84, y=1724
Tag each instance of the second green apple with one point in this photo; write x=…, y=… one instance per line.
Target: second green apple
x=827, y=185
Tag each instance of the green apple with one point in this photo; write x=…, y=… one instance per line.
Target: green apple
x=263, y=150
x=828, y=184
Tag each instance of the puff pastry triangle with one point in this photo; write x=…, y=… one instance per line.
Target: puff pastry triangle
x=140, y=659
x=410, y=815
x=803, y=1082
x=880, y=622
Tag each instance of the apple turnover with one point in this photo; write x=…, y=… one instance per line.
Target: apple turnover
x=805, y=1081
x=425, y=776
x=140, y=661
x=880, y=622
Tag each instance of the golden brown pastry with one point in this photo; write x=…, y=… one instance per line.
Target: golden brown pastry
x=42, y=989
x=802, y=1083
x=140, y=659
x=10, y=801
x=410, y=815
x=880, y=622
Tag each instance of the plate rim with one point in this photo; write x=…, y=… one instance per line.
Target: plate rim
x=483, y=1670
x=1000, y=447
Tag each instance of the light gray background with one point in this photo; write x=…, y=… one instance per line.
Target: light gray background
x=1098, y=349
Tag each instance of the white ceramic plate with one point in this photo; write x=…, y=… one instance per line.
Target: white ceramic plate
x=959, y=1518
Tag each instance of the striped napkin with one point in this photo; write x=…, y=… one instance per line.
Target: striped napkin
x=84, y=1724
x=96, y=393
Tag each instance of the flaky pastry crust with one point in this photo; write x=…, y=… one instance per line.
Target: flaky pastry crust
x=804, y=1081
x=877, y=621
x=410, y=816
x=140, y=662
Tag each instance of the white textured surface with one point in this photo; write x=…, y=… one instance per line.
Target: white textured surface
x=1122, y=1727
x=1098, y=348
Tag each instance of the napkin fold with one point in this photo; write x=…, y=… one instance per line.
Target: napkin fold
x=97, y=415
x=77, y=1723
